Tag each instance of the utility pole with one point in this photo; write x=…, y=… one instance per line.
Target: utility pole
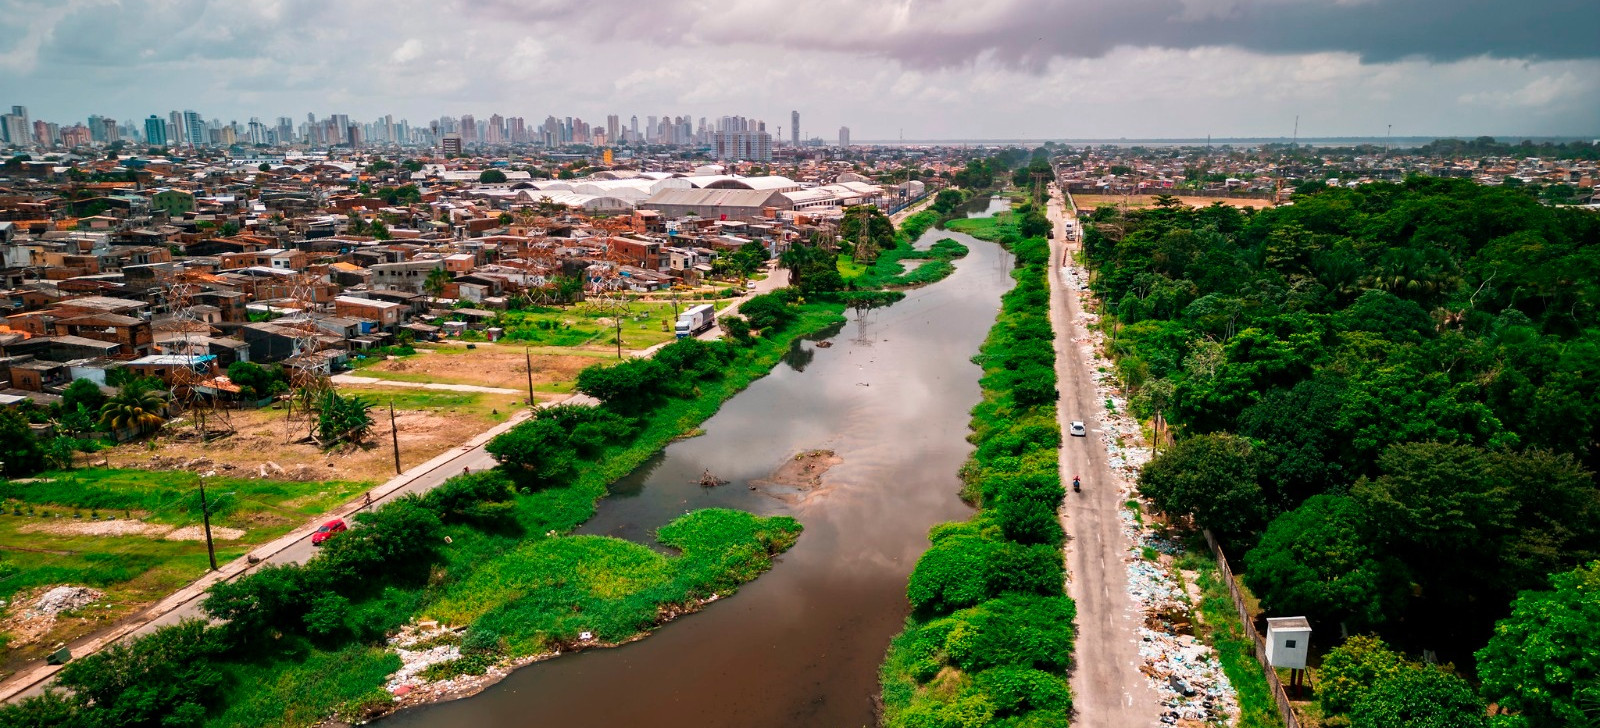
x=394, y=436
x=528, y=354
x=205, y=517
x=617, y=318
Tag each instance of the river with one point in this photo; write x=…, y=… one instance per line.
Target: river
x=801, y=645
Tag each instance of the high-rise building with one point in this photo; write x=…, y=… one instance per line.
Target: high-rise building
x=450, y=144
x=794, y=128
x=844, y=136
x=194, y=129
x=155, y=131
x=285, y=130
x=633, y=129
x=613, y=127
x=44, y=134
x=749, y=146
x=16, y=128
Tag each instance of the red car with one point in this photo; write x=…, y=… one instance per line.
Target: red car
x=327, y=530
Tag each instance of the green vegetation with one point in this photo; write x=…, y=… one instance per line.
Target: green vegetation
x=990, y=637
x=48, y=513
x=548, y=590
x=506, y=566
x=1544, y=660
x=889, y=271
x=1225, y=633
x=643, y=325
x=1384, y=397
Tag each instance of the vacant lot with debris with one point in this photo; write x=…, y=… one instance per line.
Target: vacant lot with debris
x=130, y=537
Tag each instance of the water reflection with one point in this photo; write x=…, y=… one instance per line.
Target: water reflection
x=801, y=645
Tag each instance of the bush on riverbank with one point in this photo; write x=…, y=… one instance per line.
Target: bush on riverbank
x=990, y=636
x=889, y=270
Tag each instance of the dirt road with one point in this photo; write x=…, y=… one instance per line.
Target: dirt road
x=1108, y=691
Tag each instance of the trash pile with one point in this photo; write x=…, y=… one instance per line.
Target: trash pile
x=1182, y=670
x=29, y=619
x=65, y=599
x=420, y=646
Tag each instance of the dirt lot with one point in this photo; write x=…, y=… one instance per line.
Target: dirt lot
x=429, y=423
x=1089, y=202
x=489, y=365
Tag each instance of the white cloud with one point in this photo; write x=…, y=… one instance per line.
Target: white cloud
x=408, y=51
x=934, y=68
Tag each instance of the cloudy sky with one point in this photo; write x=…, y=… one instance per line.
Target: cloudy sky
x=930, y=69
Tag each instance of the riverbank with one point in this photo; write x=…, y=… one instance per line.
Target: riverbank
x=505, y=550
x=991, y=630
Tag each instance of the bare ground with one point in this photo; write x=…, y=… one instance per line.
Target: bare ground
x=489, y=365
x=263, y=438
x=799, y=477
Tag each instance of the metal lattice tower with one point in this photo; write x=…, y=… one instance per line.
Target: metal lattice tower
x=308, y=373
x=177, y=292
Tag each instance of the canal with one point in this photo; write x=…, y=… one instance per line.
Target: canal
x=800, y=646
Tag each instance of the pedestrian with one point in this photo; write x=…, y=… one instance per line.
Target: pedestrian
x=466, y=471
x=368, y=499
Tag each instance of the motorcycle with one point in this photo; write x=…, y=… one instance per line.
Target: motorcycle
x=1075, y=487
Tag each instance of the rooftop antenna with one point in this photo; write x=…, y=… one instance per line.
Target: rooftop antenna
x=1296, y=143
x=1386, y=137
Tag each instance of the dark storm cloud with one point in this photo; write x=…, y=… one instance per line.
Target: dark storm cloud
x=1029, y=33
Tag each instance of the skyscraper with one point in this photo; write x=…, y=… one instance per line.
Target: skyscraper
x=194, y=129
x=794, y=128
x=15, y=126
x=155, y=131
x=613, y=127
x=844, y=136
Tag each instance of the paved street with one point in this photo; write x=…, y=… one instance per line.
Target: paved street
x=1107, y=688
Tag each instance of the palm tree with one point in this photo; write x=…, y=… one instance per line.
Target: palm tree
x=437, y=279
x=138, y=407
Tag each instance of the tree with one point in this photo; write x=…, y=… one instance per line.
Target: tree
x=767, y=312
x=166, y=678
x=629, y=387
x=343, y=419
x=437, y=280
x=1350, y=670
x=1419, y=696
x=264, y=167
x=947, y=201
x=1319, y=560
x=84, y=393
x=379, y=230
x=1211, y=477
x=1544, y=660
x=492, y=176
x=537, y=453
x=21, y=453
x=1034, y=225
x=139, y=407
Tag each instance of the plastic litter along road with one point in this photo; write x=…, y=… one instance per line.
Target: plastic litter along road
x=1183, y=671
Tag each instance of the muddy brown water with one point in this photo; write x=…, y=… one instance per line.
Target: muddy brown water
x=801, y=645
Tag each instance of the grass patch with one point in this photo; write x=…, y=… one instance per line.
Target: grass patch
x=1226, y=635
x=889, y=270
x=303, y=686
x=582, y=325
x=548, y=590
x=135, y=569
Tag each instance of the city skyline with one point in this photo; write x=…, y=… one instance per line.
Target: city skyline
x=1144, y=69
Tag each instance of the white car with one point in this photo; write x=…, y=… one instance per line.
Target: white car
x=1078, y=430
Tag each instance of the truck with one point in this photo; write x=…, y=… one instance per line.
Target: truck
x=696, y=320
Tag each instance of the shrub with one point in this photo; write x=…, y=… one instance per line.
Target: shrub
x=629, y=387
x=537, y=453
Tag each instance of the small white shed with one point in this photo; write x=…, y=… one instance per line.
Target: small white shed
x=1288, y=641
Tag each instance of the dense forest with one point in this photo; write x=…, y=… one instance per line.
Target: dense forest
x=1383, y=400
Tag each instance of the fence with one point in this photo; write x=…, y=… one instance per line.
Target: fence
x=1273, y=683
